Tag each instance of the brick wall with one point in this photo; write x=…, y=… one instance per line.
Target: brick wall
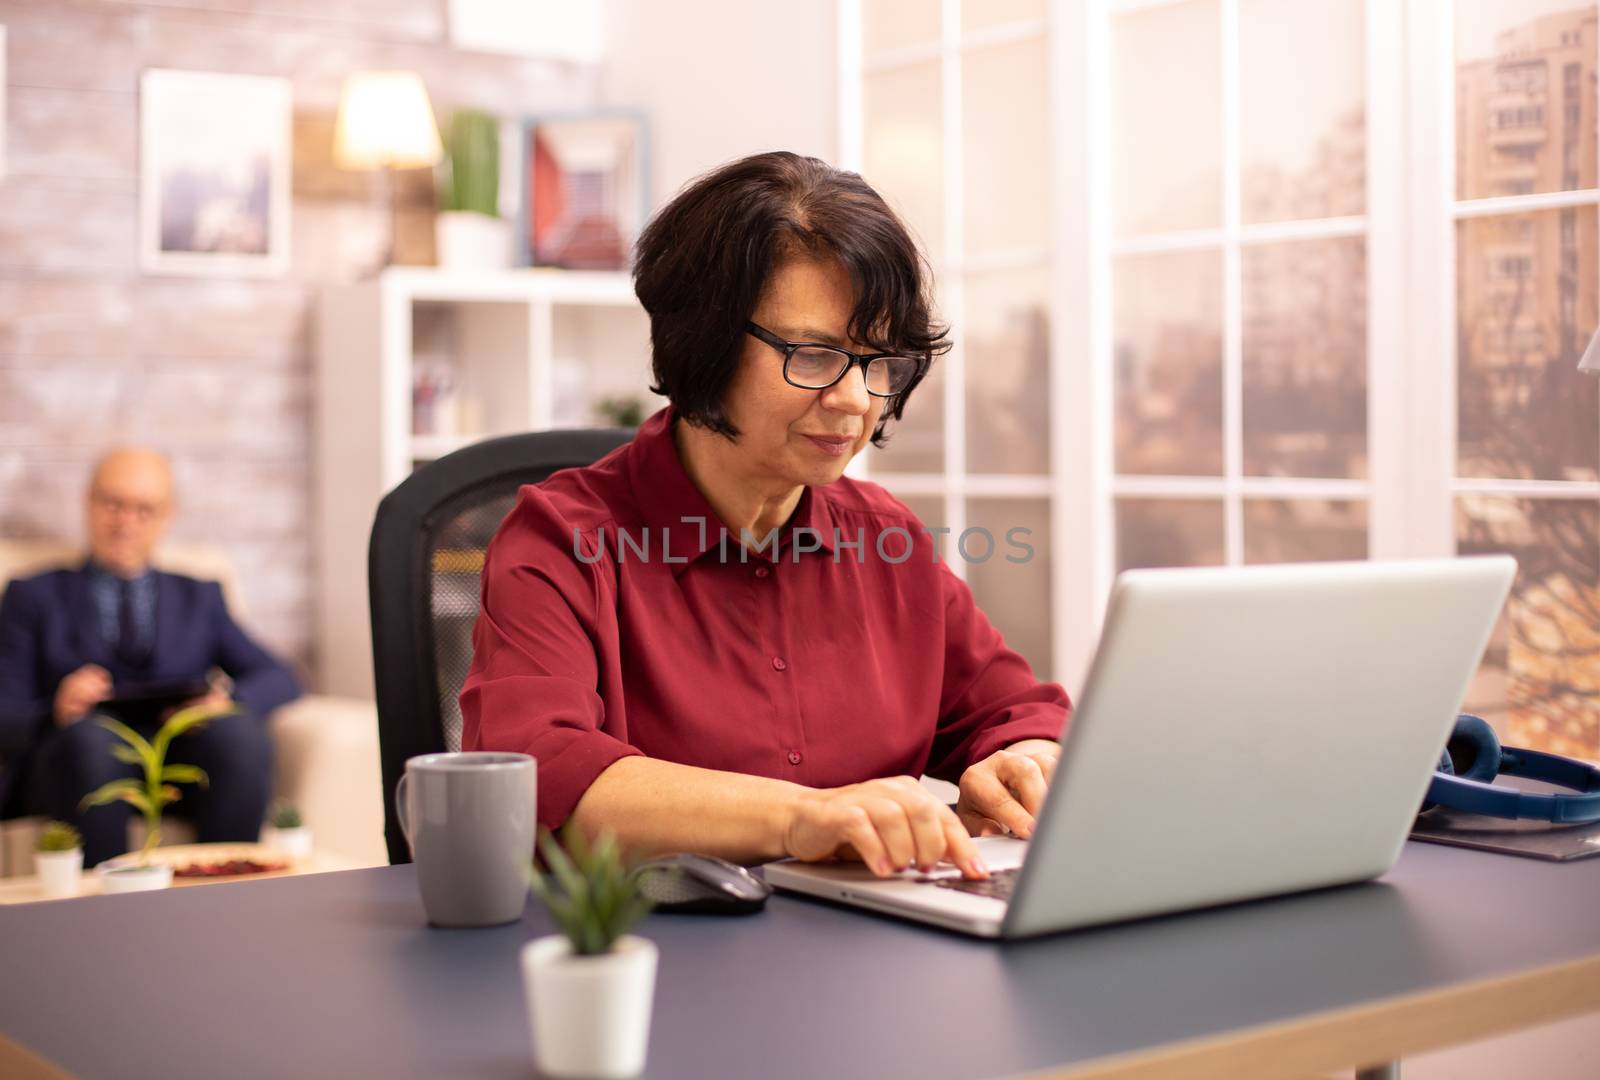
x=216, y=371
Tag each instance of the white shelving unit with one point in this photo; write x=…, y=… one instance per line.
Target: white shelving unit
x=526, y=350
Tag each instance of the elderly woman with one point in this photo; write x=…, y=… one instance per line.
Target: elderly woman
x=711, y=639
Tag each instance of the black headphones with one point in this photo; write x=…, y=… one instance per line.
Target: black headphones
x=1474, y=757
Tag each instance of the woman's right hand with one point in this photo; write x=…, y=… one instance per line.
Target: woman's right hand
x=888, y=824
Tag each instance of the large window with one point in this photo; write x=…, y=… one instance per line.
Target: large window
x=1319, y=319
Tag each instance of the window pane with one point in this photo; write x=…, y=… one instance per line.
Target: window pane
x=916, y=440
x=1167, y=341
x=1305, y=358
x=1526, y=303
x=1008, y=371
x=1540, y=680
x=1304, y=530
x=981, y=14
x=1166, y=118
x=1169, y=532
x=903, y=146
x=1014, y=594
x=1302, y=115
x=928, y=508
x=1005, y=147
x=1525, y=97
x=897, y=24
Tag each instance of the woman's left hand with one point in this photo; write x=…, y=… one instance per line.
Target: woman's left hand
x=1005, y=790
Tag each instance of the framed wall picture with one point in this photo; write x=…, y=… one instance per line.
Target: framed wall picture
x=214, y=175
x=584, y=196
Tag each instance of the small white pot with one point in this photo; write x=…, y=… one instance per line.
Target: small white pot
x=60, y=872
x=467, y=240
x=134, y=878
x=295, y=843
x=590, y=1015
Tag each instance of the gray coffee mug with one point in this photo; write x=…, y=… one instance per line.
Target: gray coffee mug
x=470, y=821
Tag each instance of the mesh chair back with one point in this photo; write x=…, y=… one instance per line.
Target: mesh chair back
x=424, y=568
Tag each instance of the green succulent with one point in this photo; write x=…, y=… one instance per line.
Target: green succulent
x=284, y=815
x=591, y=892
x=151, y=792
x=471, y=179
x=59, y=836
x=620, y=411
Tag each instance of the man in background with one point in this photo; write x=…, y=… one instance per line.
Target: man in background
x=74, y=641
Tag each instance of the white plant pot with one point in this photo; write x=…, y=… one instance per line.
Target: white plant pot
x=467, y=240
x=60, y=872
x=295, y=843
x=590, y=1015
x=134, y=878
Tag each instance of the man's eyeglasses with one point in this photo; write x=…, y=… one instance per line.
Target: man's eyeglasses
x=817, y=367
x=139, y=511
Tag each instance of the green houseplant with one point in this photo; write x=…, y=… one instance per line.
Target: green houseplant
x=57, y=837
x=620, y=411
x=284, y=815
x=469, y=233
x=58, y=859
x=590, y=987
x=286, y=830
x=472, y=164
x=151, y=792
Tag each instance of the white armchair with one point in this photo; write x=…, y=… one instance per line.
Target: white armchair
x=327, y=747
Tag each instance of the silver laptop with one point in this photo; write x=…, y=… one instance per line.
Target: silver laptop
x=1243, y=732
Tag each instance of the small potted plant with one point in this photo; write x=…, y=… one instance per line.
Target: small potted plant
x=469, y=233
x=58, y=859
x=286, y=831
x=149, y=793
x=622, y=411
x=590, y=987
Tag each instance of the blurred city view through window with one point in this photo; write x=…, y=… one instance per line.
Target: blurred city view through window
x=1526, y=304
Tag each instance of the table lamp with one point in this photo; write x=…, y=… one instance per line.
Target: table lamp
x=385, y=122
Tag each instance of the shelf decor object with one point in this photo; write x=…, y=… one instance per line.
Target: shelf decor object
x=469, y=232
x=385, y=122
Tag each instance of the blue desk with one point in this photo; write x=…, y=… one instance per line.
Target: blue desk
x=335, y=975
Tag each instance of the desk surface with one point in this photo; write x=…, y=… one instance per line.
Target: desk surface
x=336, y=975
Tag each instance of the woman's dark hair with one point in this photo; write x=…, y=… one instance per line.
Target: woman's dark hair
x=703, y=260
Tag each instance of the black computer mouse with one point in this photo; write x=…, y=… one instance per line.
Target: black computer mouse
x=702, y=884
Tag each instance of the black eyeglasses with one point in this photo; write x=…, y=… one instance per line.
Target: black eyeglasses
x=817, y=367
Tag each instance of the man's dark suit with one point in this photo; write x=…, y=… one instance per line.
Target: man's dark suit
x=49, y=628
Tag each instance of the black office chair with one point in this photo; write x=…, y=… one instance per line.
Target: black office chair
x=423, y=570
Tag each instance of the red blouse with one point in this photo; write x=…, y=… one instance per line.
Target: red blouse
x=618, y=618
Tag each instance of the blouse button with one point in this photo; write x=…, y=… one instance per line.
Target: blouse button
x=794, y=757
x=761, y=571
x=780, y=664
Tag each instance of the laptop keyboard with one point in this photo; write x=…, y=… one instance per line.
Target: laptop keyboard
x=998, y=884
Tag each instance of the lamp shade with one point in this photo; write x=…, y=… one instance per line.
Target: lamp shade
x=385, y=119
